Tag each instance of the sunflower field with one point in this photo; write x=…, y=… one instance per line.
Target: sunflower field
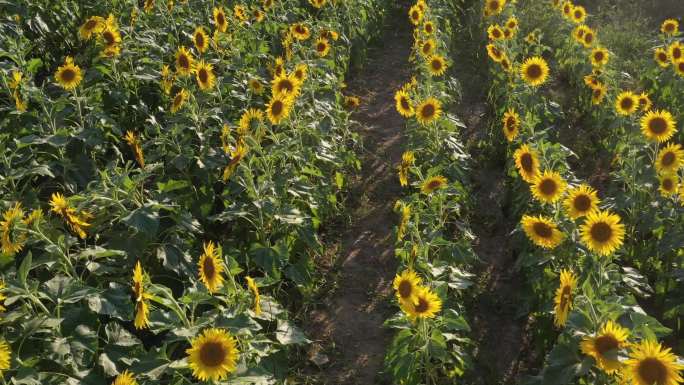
x=183, y=186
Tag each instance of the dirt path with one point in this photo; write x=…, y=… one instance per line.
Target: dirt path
x=350, y=340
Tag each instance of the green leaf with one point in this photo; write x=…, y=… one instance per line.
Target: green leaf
x=144, y=220
x=289, y=334
x=24, y=269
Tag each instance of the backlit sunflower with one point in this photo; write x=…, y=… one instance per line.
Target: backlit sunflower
x=210, y=267
x=567, y=8
x=179, y=100
x=250, y=121
x=111, y=38
x=542, y=231
x=425, y=304
x=285, y=85
x=604, y=346
x=676, y=51
x=427, y=47
x=428, y=28
x=662, y=57
x=563, y=298
x=679, y=67
x=534, y=71
x=581, y=200
x=436, y=65
x=494, y=7
x=220, y=19
x=588, y=38
x=300, y=72
x=598, y=93
x=670, y=27
x=322, y=46
x=212, y=355
x=240, y=12
x=650, y=363
x=278, y=108
x=512, y=23
x=415, y=15
x=300, y=31
x=251, y=284
x=184, y=61
x=599, y=57
x=69, y=75
x=13, y=236
x=669, y=184
x=5, y=356
x=494, y=32
x=645, y=102
x=658, y=126
x=511, y=124
x=92, y=26
x=407, y=160
x=77, y=222
x=428, y=111
x=494, y=53
x=433, y=184
x=602, y=232
x=406, y=285
x=670, y=158
x=204, y=73
x=626, y=103
x=200, y=39
x=527, y=163
x=548, y=187
x=578, y=14
x=125, y=378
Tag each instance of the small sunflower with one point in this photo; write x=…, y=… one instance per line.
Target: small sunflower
x=300, y=31
x=511, y=124
x=679, y=67
x=405, y=218
x=200, y=39
x=512, y=23
x=351, y=102
x=588, y=38
x=212, y=355
x=92, y=26
x=563, y=298
x=581, y=201
x=598, y=93
x=250, y=121
x=322, y=46
x=427, y=47
x=179, y=100
x=408, y=158
x=436, y=65
x=13, y=237
x=406, y=285
x=645, y=102
x=578, y=33
x=534, y=71
x=578, y=14
x=204, y=73
x=125, y=378
x=669, y=184
x=676, y=51
x=626, y=103
x=494, y=7
x=599, y=57
x=433, y=184
x=670, y=158
x=220, y=19
x=670, y=27
x=278, y=108
x=494, y=53
x=428, y=28
x=548, y=187
x=428, y=111
x=527, y=163
x=605, y=345
x=425, y=304
x=111, y=38
x=662, y=57
x=658, y=126
x=567, y=8
x=211, y=267
x=494, y=32
x=5, y=356
x=300, y=72
x=651, y=364
x=251, y=284
x=184, y=61
x=240, y=12
x=542, y=231
x=602, y=232
x=69, y=75
x=255, y=86
x=415, y=15
x=236, y=155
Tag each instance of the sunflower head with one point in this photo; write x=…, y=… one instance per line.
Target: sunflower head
x=250, y=121
x=279, y=108
x=602, y=232
x=662, y=57
x=599, y=57
x=578, y=14
x=285, y=85
x=204, y=73
x=679, y=67
x=658, y=126
x=534, y=71
x=650, y=363
x=300, y=31
x=645, y=102
x=200, y=39
x=428, y=111
x=322, y=46
x=527, y=163
x=425, y=304
x=494, y=7
x=92, y=26
x=436, y=65
x=427, y=47
x=494, y=53
x=125, y=378
x=403, y=104
x=626, y=103
x=605, y=345
x=512, y=23
x=669, y=184
x=5, y=355
x=13, y=235
x=415, y=15
x=542, y=231
x=670, y=158
x=563, y=298
x=433, y=184
x=511, y=124
x=220, y=19
x=211, y=267
x=69, y=75
x=670, y=27
x=179, y=100
x=406, y=285
x=212, y=355
x=581, y=201
x=676, y=51
x=548, y=187
x=184, y=61
x=567, y=8
x=428, y=28
x=598, y=93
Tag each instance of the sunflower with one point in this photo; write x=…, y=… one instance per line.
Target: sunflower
x=494, y=32
x=658, y=126
x=322, y=47
x=92, y=26
x=251, y=284
x=506, y=64
x=669, y=184
x=433, y=184
x=436, y=65
x=408, y=158
x=3, y=297
x=626, y=103
x=204, y=73
x=285, y=85
x=125, y=378
x=279, y=67
x=645, y=102
x=134, y=142
x=598, y=94
x=428, y=28
x=670, y=27
x=267, y=4
x=236, y=155
x=77, y=222
x=184, y=61
x=138, y=281
x=534, y=71
x=5, y=355
x=111, y=38
x=509, y=33
x=13, y=238
x=599, y=56
x=602, y=232
x=563, y=298
x=179, y=100
x=494, y=7
x=651, y=364
x=220, y=19
x=676, y=51
x=679, y=67
x=406, y=285
x=567, y=8
x=278, y=108
x=211, y=267
x=592, y=81
x=511, y=124
x=548, y=187
x=578, y=14
x=579, y=31
x=405, y=218
x=581, y=201
x=527, y=163
x=670, y=158
x=317, y=3
x=415, y=15
x=300, y=31
x=351, y=102
x=542, y=231
x=428, y=111
x=250, y=120
x=212, y=355
x=300, y=72
x=588, y=38
x=494, y=53
x=662, y=57
x=166, y=79
x=142, y=313
x=425, y=304
x=604, y=346
x=427, y=47
x=259, y=15
x=512, y=23
x=148, y=6
x=200, y=39
x=69, y=75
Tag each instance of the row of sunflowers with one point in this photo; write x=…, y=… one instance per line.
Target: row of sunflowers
x=595, y=239
x=166, y=171
x=433, y=241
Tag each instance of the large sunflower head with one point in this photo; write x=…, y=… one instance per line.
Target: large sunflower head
x=5, y=355
x=428, y=111
x=650, y=363
x=676, y=51
x=69, y=75
x=578, y=14
x=604, y=346
x=669, y=184
x=598, y=93
x=125, y=378
x=279, y=108
x=658, y=126
x=403, y=104
x=204, y=73
x=599, y=57
x=13, y=236
x=322, y=46
x=511, y=124
x=626, y=103
x=211, y=267
x=212, y=355
x=662, y=57
x=581, y=201
x=534, y=71
x=563, y=298
x=527, y=163
x=220, y=19
x=406, y=285
x=433, y=184
x=494, y=32
x=184, y=61
x=436, y=65
x=602, y=232
x=542, y=231
x=548, y=187
x=670, y=27
x=92, y=26
x=425, y=304
x=670, y=158
x=200, y=39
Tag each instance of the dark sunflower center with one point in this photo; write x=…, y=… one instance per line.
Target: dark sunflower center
x=428, y=28
x=203, y=75
x=494, y=5
x=68, y=75
x=299, y=74
x=199, y=38
x=90, y=24
x=496, y=52
x=601, y=232
x=605, y=344
x=657, y=125
x=548, y=187
x=668, y=159
x=662, y=56
x=582, y=203
x=534, y=71
x=178, y=100
x=643, y=102
x=321, y=47
x=668, y=184
x=597, y=93
x=676, y=53
x=277, y=108
x=108, y=36
x=652, y=371
x=212, y=354
x=680, y=66
x=578, y=14
x=405, y=289
x=565, y=297
x=627, y=103
x=184, y=61
x=434, y=184
x=598, y=56
x=209, y=268
x=496, y=33
x=285, y=85
x=404, y=103
x=589, y=37
x=220, y=19
x=669, y=27
x=427, y=47
x=428, y=111
x=422, y=306
x=510, y=123
x=300, y=29
x=526, y=162
x=566, y=9
x=542, y=230
x=436, y=65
